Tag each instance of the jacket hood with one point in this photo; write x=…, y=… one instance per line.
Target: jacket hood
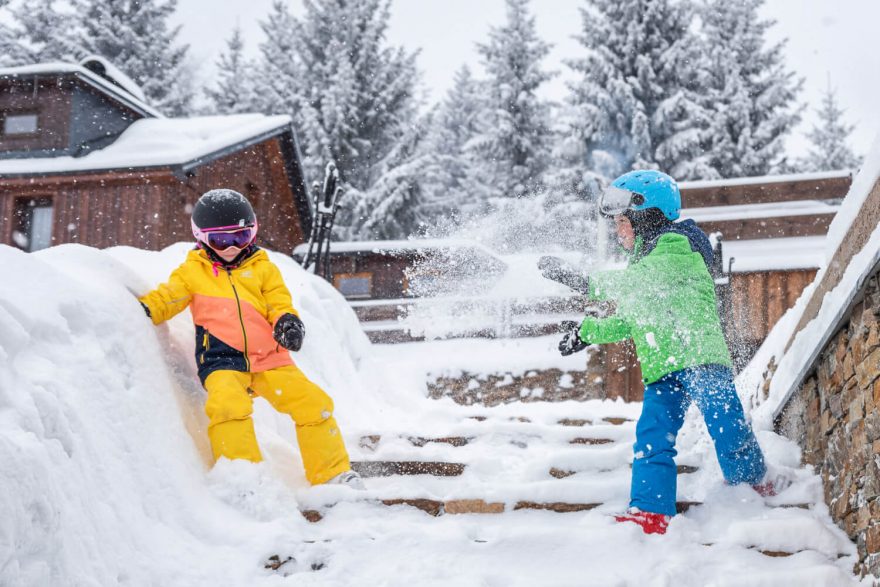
x=688, y=229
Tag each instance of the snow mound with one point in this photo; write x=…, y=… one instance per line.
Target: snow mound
x=102, y=433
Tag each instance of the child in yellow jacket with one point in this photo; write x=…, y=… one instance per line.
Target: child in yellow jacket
x=245, y=327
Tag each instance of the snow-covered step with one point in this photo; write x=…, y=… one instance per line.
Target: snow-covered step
x=389, y=468
x=558, y=473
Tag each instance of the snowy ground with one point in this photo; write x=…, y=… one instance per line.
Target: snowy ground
x=105, y=473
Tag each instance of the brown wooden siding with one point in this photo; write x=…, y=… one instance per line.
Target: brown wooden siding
x=50, y=100
x=764, y=193
x=151, y=209
x=779, y=227
x=388, y=271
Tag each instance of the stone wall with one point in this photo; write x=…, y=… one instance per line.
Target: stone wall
x=835, y=417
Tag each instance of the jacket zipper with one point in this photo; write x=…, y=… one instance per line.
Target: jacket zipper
x=247, y=361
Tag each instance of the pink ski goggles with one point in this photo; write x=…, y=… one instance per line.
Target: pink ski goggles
x=224, y=237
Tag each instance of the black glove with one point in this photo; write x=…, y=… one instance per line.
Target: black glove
x=146, y=309
x=289, y=332
x=571, y=341
x=555, y=269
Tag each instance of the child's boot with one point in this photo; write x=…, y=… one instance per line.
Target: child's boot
x=650, y=522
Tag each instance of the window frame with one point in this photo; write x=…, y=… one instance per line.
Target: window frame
x=368, y=275
x=23, y=219
x=5, y=114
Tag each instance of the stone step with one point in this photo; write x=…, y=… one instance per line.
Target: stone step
x=436, y=507
x=563, y=473
x=575, y=422
x=371, y=441
x=389, y=468
x=581, y=422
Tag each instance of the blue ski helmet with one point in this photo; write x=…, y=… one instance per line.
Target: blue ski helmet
x=657, y=190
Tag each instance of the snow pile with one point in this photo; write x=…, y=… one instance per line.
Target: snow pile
x=102, y=435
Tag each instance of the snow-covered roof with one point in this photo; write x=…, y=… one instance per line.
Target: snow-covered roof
x=774, y=254
x=769, y=210
x=810, y=340
x=392, y=246
x=159, y=142
x=123, y=95
x=764, y=179
x=96, y=63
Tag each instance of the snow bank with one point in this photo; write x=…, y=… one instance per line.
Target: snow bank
x=103, y=448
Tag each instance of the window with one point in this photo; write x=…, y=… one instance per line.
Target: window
x=32, y=228
x=354, y=285
x=20, y=124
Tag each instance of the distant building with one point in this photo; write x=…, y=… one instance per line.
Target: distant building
x=83, y=159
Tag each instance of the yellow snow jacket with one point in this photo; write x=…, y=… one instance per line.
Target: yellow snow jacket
x=234, y=311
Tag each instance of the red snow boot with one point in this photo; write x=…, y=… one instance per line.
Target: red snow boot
x=776, y=480
x=765, y=489
x=650, y=522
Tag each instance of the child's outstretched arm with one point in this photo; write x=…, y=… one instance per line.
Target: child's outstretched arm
x=167, y=300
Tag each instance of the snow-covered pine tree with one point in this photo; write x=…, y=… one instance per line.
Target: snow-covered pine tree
x=636, y=97
x=393, y=206
x=750, y=94
x=135, y=35
x=351, y=95
x=515, y=137
x=37, y=31
x=277, y=67
x=829, y=149
x=235, y=85
x=451, y=187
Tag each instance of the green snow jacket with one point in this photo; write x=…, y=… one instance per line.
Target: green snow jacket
x=666, y=304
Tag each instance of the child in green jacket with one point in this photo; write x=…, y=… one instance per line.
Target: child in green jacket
x=665, y=303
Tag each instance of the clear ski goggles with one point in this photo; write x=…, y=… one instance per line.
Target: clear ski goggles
x=615, y=200
x=222, y=238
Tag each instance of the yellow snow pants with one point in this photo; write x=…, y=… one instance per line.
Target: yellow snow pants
x=288, y=390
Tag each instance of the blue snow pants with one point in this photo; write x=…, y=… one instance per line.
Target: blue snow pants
x=666, y=402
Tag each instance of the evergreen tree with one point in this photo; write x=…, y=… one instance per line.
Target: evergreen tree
x=393, y=208
x=829, y=137
x=451, y=185
x=351, y=95
x=136, y=37
x=39, y=31
x=516, y=136
x=750, y=96
x=636, y=102
x=234, y=89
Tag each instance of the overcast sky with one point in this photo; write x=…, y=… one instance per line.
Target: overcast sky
x=836, y=38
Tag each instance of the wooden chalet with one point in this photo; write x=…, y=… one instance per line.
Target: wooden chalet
x=83, y=159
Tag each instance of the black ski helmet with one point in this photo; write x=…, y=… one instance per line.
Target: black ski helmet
x=222, y=209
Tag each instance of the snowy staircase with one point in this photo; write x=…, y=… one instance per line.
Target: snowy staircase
x=491, y=465
x=494, y=481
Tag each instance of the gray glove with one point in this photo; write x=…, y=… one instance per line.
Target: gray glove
x=555, y=269
x=571, y=340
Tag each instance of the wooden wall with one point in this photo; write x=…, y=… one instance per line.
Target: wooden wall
x=387, y=271
x=760, y=299
x=50, y=100
x=150, y=209
x=796, y=189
